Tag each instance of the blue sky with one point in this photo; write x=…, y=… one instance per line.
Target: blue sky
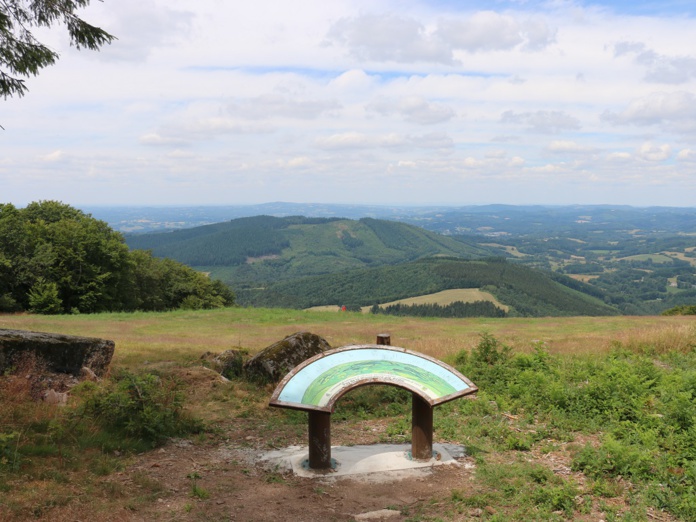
x=363, y=101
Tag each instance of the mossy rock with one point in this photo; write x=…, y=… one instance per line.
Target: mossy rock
x=273, y=363
x=228, y=363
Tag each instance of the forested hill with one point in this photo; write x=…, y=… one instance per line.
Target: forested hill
x=268, y=249
x=526, y=291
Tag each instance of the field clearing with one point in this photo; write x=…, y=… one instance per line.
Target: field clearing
x=509, y=249
x=466, y=295
x=583, y=277
x=183, y=336
x=682, y=257
x=446, y=297
x=655, y=258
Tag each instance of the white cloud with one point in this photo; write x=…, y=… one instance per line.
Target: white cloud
x=687, y=155
x=547, y=122
x=142, y=26
x=53, y=157
x=660, y=68
x=415, y=109
x=651, y=152
x=569, y=147
x=269, y=106
x=620, y=157
x=357, y=140
x=389, y=38
x=676, y=110
x=492, y=31
x=156, y=139
x=300, y=162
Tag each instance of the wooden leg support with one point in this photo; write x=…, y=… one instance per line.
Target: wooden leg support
x=319, y=440
x=422, y=429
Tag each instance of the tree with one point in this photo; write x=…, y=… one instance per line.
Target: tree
x=57, y=259
x=22, y=55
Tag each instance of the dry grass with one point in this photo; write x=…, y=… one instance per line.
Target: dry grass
x=183, y=336
x=661, y=339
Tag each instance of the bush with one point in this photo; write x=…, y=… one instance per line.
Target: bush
x=142, y=406
x=9, y=454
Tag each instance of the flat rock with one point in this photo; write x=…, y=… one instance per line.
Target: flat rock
x=381, y=514
x=55, y=352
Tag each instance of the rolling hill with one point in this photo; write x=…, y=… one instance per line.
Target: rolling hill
x=262, y=250
x=527, y=292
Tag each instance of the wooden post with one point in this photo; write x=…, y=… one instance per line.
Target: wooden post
x=421, y=429
x=319, y=440
x=384, y=339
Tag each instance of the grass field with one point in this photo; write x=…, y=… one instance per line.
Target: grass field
x=577, y=418
x=185, y=335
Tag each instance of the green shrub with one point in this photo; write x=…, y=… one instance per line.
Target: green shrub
x=143, y=406
x=614, y=458
x=9, y=450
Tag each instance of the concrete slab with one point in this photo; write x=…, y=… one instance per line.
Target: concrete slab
x=364, y=460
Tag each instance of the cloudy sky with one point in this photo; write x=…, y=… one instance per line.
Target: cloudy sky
x=363, y=101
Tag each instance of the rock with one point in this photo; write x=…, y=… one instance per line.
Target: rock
x=274, y=362
x=228, y=363
x=54, y=397
x=55, y=352
x=87, y=374
x=382, y=514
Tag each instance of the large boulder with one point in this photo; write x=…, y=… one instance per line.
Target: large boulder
x=274, y=362
x=57, y=353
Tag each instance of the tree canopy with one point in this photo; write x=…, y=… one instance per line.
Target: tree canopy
x=57, y=259
x=22, y=55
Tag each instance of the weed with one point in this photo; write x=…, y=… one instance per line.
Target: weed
x=199, y=492
x=275, y=478
x=196, y=490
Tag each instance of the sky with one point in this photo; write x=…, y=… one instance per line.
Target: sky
x=409, y=102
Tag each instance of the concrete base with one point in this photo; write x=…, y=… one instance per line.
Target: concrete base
x=360, y=460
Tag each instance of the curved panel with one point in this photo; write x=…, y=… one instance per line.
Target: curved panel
x=319, y=382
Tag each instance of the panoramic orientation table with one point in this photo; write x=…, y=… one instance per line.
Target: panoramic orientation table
x=316, y=385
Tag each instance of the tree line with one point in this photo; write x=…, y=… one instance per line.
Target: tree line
x=57, y=259
x=457, y=309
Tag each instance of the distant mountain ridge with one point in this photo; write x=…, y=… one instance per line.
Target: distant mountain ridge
x=266, y=249
x=511, y=220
